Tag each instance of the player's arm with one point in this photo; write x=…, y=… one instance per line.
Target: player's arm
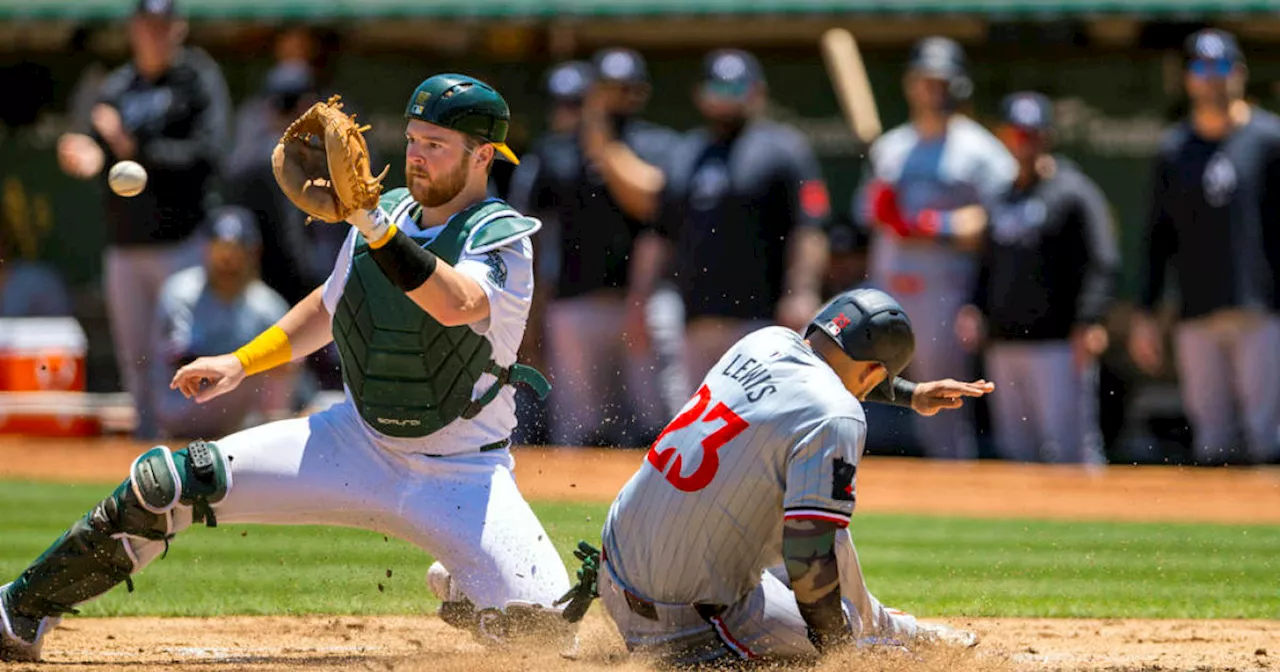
x=1161, y=242
x=636, y=185
x=1098, y=284
x=808, y=549
x=1145, y=345
x=930, y=397
x=303, y=330
x=650, y=258
x=965, y=227
x=817, y=501
x=451, y=297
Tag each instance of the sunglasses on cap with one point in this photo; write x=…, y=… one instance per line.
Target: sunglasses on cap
x=1215, y=68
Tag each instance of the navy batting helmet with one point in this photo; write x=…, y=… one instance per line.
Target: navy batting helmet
x=869, y=326
x=943, y=58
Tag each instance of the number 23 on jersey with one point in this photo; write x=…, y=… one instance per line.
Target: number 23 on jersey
x=716, y=428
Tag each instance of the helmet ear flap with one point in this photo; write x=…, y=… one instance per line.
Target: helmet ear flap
x=960, y=88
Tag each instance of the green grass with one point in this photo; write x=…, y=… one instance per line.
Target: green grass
x=929, y=566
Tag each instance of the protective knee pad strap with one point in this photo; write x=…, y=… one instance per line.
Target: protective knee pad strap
x=198, y=476
x=206, y=478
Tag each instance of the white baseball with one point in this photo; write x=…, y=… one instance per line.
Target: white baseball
x=127, y=178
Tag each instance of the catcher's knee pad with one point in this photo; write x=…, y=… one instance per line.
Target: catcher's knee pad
x=98, y=551
x=197, y=476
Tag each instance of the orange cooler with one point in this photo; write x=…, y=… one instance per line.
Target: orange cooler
x=42, y=378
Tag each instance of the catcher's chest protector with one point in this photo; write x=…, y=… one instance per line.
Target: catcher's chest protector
x=408, y=374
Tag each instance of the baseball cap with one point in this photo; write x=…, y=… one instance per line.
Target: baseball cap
x=167, y=9
x=1213, y=45
x=288, y=81
x=937, y=56
x=731, y=73
x=620, y=66
x=1028, y=110
x=568, y=81
x=233, y=224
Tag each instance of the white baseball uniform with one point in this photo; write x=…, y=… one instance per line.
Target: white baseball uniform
x=438, y=492
x=693, y=543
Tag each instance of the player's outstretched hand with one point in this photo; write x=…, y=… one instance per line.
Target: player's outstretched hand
x=208, y=377
x=937, y=395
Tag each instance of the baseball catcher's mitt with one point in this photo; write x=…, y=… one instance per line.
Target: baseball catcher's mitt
x=322, y=164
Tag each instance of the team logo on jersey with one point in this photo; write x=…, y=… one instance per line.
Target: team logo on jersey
x=497, y=268
x=1219, y=181
x=139, y=108
x=842, y=486
x=1020, y=223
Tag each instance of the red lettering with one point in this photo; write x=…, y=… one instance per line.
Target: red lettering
x=711, y=444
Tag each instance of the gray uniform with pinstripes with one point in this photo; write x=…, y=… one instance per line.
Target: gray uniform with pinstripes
x=701, y=522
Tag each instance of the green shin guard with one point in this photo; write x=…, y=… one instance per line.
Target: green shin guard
x=97, y=553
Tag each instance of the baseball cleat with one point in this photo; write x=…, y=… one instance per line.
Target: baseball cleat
x=946, y=635
x=439, y=581
x=20, y=636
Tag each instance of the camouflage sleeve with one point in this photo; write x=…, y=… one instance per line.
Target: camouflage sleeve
x=821, y=469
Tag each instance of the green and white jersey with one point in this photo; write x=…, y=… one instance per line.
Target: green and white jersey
x=504, y=270
x=771, y=434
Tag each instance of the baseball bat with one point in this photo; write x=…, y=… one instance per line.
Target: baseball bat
x=849, y=79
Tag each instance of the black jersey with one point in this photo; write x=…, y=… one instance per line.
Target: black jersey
x=1051, y=258
x=1213, y=218
x=730, y=206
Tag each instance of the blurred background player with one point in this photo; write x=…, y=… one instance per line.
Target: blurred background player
x=742, y=220
x=30, y=288
x=1046, y=281
x=294, y=256
x=211, y=309
x=1214, y=209
x=930, y=181
x=294, y=262
x=168, y=110
x=566, y=86
x=595, y=183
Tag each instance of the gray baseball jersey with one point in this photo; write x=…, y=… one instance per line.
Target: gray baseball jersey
x=771, y=434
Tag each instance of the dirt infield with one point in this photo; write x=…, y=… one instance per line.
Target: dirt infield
x=885, y=485
x=423, y=643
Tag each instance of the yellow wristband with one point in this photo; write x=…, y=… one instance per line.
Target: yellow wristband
x=386, y=238
x=270, y=349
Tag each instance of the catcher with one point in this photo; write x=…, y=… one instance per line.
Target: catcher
x=427, y=304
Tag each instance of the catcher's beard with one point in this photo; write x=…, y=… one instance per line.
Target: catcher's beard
x=439, y=190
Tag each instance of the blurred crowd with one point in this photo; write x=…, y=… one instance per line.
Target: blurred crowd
x=661, y=248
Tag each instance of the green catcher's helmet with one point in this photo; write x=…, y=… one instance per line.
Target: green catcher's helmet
x=464, y=104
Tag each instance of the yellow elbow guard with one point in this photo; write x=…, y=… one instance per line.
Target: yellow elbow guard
x=270, y=349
